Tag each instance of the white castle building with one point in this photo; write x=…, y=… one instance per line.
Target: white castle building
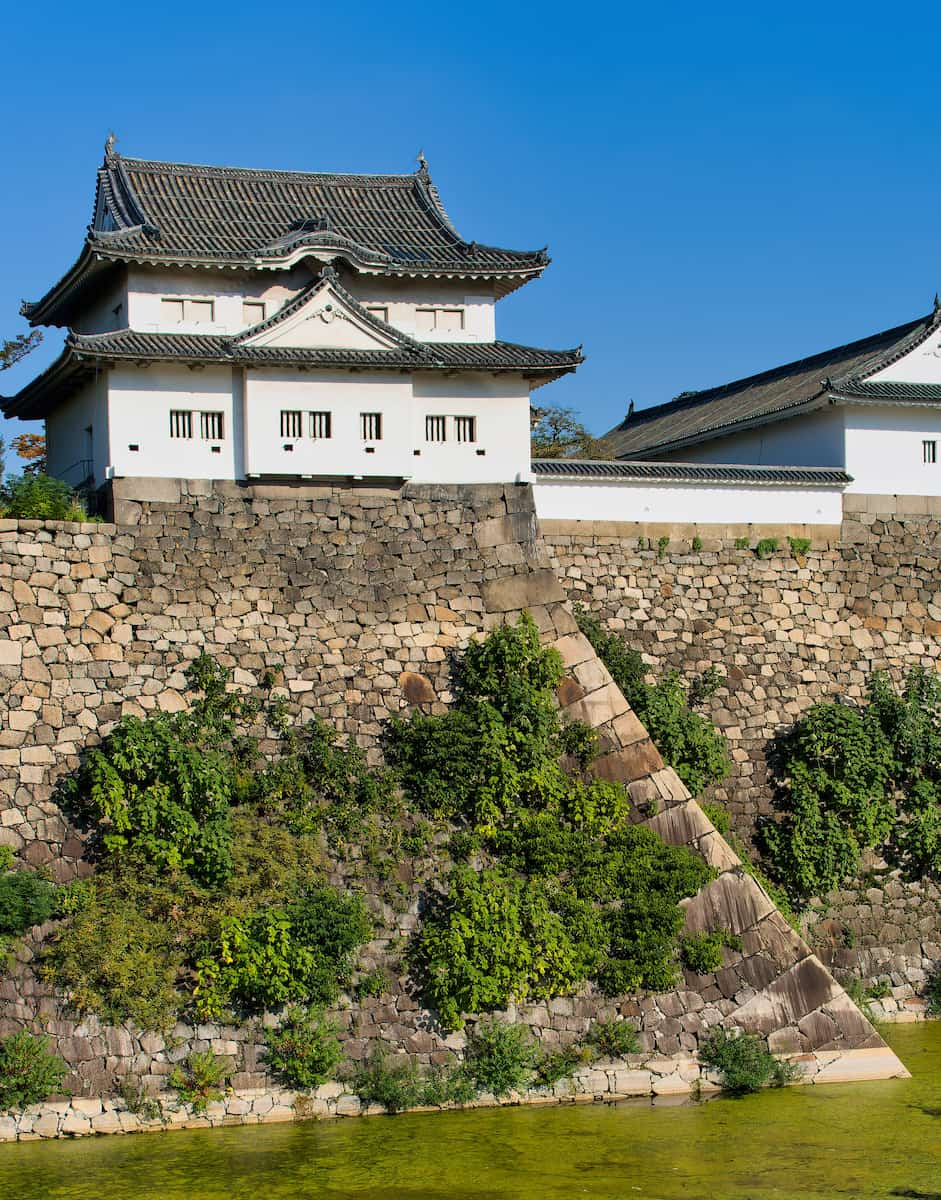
x=269, y=325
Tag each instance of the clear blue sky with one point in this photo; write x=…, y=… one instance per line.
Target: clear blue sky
x=721, y=189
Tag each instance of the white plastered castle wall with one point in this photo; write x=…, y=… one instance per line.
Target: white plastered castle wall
x=499, y=406
x=401, y=298
x=687, y=504
x=77, y=435
x=885, y=452
x=140, y=401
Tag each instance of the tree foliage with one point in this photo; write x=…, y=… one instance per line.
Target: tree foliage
x=557, y=433
x=11, y=352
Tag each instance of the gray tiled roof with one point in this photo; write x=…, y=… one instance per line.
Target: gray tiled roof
x=182, y=213
x=84, y=352
x=833, y=376
x=678, y=472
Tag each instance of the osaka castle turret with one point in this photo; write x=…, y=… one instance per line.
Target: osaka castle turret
x=226, y=323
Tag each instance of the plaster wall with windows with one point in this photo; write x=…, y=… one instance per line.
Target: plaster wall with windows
x=894, y=450
x=169, y=301
x=145, y=439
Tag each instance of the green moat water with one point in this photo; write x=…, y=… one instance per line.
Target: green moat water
x=848, y=1140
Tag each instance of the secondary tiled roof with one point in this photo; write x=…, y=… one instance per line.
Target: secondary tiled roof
x=678, y=472
x=183, y=213
x=85, y=352
x=837, y=375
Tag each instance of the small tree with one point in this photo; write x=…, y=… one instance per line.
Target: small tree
x=31, y=447
x=22, y=344
x=557, y=433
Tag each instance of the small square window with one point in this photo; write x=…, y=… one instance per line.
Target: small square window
x=253, y=312
x=424, y=320
x=200, y=312
x=465, y=429
x=380, y=311
x=291, y=423
x=320, y=425
x=171, y=311
x=929, y=451
x=370, y=427
x=436, y=429
x=181, y=423
x=210, y=426
x=451, y=320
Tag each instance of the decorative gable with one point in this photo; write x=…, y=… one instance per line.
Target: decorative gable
x=324, y=316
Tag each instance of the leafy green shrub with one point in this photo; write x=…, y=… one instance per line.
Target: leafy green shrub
x=201, y=1079
x=799, y=546
x=28, y=1072
x=138, y=1100
x=852, y=779
x=395, y=1083
x=41, y=498
x=614, y=1038
x=373, y=985
x=501, y=1058
x=744, y=1062
x=741, y=543
x=164, y=786
x=6, y=857
x=115, y=958
x=299, y=952
x=767, y=546
x=304, y=1050
x=697, y=544
x=686, y=740
x=556, y=1065
x=447, y=1085
x=26, y=899
x=702, y=952
x=662, y=544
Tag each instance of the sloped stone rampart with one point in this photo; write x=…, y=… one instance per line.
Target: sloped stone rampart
x=786, y=632
x=360, y=596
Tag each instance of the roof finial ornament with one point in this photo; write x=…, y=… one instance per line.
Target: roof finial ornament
x=422, y=163
x=630, y=410
x=937, y=303
x=110, y=141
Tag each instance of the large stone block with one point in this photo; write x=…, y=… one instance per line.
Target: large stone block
x=516, y=592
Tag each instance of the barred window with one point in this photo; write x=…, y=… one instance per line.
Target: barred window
x=210, y=426
x=929, y=452
x=436, y=429
x=291, y=423
x=181, y=423
x=370, y=427
x=320, y=425
x=465, y=429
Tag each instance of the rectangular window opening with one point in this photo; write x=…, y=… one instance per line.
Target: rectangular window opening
x=171, y=311
x=465, y=429
x=210, y=426
x=291, y=423
x=436, y=429
x=181, y=423
x=253, y=312
x=200, y=312
x=379, y=311
x=370, y=427
x=320, y=425
x=929, y=451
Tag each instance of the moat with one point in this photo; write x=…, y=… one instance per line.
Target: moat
x=876, y=1139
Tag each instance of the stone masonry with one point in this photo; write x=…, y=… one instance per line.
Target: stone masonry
x=358, y=597
x=786, y=632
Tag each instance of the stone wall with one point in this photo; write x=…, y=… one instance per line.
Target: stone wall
x=359, y=596
x=786, y=632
